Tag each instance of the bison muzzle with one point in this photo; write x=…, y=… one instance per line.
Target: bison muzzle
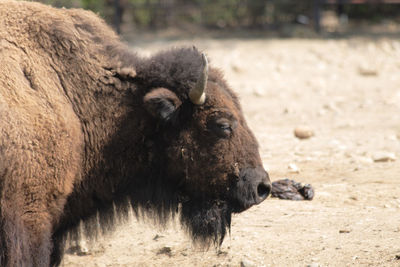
x=89, y=130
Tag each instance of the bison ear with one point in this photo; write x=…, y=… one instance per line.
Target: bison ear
x=161, y=103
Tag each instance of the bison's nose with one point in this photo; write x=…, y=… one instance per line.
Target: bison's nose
x=252, y=188
x=263, y=190
x=261, y=184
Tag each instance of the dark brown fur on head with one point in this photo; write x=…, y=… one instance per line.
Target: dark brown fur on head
x=89, y=129
x=206, y=148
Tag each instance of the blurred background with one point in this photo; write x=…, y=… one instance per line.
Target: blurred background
x=288, y=18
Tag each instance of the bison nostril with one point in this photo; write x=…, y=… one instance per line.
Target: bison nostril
x=263, y=190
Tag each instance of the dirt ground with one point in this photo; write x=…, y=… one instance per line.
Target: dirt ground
x=348, y=92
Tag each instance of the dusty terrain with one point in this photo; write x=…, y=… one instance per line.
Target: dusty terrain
x=348, y=92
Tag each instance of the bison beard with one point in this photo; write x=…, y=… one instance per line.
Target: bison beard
x=206, y=221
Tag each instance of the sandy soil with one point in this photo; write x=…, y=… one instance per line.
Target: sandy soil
x=348, y=92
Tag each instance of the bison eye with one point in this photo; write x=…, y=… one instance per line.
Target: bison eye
x=224, y=126
x=221, y=127
x=223, y=130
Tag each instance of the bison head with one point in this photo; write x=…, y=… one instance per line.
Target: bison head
x=210, y=155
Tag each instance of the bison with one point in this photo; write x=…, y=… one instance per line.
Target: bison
x=90, y=130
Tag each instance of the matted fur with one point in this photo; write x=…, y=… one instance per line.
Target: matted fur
x=89, y=129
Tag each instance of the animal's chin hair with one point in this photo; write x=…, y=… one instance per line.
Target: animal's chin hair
x=207, y=223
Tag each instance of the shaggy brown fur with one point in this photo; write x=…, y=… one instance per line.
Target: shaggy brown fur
x=89, y=129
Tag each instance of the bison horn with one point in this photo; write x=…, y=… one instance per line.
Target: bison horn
x=197, y=94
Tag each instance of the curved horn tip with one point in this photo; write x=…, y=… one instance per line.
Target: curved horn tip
x=204, y=59
x=197, y=100
x=197, y=94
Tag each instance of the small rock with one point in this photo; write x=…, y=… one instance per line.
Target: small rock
x=313, y=265
x=293, y=168
x=366, y=70
x=344, y=231
x=397, y=257
x=222, y=253
x=165, y=250
x=79, y=250
x=236, y=68
x=247, y=263
x=365, y=160
x=156, y=237
x=384, y=157
x=259, y=92
x=303, y=132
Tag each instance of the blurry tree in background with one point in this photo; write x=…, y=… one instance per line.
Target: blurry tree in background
x=233, y=14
